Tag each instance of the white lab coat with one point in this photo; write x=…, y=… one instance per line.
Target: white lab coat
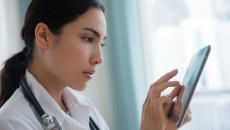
x=17, y=113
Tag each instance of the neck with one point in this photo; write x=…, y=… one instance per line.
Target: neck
x=50, y=83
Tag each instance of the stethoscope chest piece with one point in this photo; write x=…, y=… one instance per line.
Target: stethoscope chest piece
x=50, y=123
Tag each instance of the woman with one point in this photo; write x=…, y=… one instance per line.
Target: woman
x=63, y=40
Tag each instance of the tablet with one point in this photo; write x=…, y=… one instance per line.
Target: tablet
x=191, y=79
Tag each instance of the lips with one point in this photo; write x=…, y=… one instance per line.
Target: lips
x=89, y=73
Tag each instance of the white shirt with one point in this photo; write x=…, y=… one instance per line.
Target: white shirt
x=17, y=113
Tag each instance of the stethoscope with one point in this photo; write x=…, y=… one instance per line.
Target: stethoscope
x=48, y=122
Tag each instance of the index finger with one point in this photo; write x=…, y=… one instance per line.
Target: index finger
x=156, y=91
x=175, y=92
x=166, y=77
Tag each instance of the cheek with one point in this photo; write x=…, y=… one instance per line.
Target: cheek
x=69, y=60
x=74, y=58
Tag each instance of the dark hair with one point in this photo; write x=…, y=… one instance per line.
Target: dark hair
x=55, y=14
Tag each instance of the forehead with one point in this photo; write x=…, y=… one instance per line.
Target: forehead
x=94, y=18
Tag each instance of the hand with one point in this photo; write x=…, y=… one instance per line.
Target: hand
x=177, y=106
x=154, y=112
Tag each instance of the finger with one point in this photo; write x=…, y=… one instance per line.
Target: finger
x=188, y=116
x=163, y=102
x=175, y=113
x=175, y=92
x=166, y=77
x=156, y=91
x=180, y=96
x=178, y=106
x=169, y=109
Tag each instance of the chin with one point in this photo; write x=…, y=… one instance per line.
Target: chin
x=79, y=87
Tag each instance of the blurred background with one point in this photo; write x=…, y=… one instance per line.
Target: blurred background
x=147, y=38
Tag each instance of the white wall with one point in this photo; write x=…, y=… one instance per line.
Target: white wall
x=9, y=29
x=2, y=32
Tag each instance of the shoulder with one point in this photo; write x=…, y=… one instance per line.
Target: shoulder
x=14, y=124
x=16, y=113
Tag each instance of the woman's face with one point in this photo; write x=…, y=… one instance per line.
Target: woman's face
x=73, y=55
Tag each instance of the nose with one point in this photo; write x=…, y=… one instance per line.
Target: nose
x=97, y=57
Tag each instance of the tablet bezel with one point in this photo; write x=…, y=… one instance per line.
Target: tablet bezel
x=205, y=50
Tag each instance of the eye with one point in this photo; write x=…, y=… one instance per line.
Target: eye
x=88, y=39
x=103, y=44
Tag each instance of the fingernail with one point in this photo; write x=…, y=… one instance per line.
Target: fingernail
x=175, y=70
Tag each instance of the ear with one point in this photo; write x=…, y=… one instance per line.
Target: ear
x=43, y=36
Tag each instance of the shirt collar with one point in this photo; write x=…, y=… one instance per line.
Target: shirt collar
x=77, y=104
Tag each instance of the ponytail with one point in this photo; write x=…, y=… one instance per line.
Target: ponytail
x=11, y=74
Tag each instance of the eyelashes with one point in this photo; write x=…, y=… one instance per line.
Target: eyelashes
x=88, y=39
x=103, y=44
x=91, y=40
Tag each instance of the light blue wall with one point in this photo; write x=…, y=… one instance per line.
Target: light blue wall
x=23, y=4
x=127, y=60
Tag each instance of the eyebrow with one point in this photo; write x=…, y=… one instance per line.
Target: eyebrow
x=94, y=32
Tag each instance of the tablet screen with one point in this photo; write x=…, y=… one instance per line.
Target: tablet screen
x=191, y=78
